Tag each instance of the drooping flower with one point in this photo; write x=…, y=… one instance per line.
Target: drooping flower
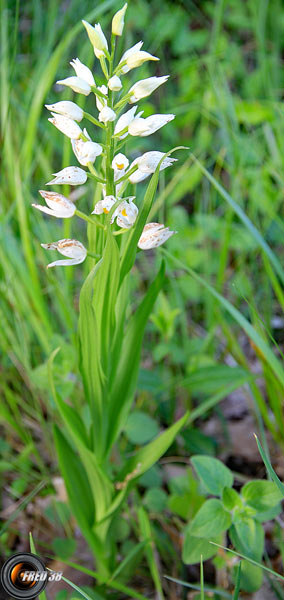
x=82, y=71
x=154, y=235
x=127, y=54
x=70, y=175
x=101, y=102
x=106, y=115
x=143, y=127
x=118, y=21
x=147, y=164
x=57, y=205
x=73, y=249
x=145, y=87
x=97, y=39
x=66, y=126
x=67, y=109
x=138, y=58
x=115, y=84
x=126, y=214
x=86, y=152
x=76, y=84
x=124, y=121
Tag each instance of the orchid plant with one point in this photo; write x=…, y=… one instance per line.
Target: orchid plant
x=110, y=337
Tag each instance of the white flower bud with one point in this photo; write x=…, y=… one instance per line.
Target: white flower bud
x=118, y=21
x=67, y=109
x=153, y=235
x=104, y=206
x=73, y=249
x=145, y=87
x=129, y=53
x=66, y=126
x=82, y=71
x=115, y=84
x=97, y=39
x=86, y=152
x=106, y=115
x=124, y=121
x=57, y=205
x=70, y=175
x=138, y=58
x=143, y=127
x=101, y=102
x=76, y=84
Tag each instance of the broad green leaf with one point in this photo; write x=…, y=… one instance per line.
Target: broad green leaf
x=63, y=547
x=194, y=548
x=251, y=577
x=155, y=499
x=231, y=499
x=248, y=538
x=261, y=495
x=210, y=520
x=208, y=380
x=212, y=473
x=140, y=428
x=124, y=380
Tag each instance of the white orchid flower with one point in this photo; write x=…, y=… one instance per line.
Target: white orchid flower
x=86, y=152
x=67, y=109
x=145, y=87
x=82, y=71
x=97, y=39
x=153, y=235
x=143, y=127
x=104, y=206
x=138, y=58
x=124, y=121
x=106, y=115
x=73, y=249
x=57, y=205
x=120, y=163
x=76, y=84
x=118, y=21
x=147, y=164
x=101, y=102
x=127, y=213
x=70, y=175
x=115, y=84
x=66, y=126
x=136, y=48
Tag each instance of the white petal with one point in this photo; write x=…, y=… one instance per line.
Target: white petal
x=71, y=175
x=76, y=84
x=67, y=109
x=66, y=126
x=83, y=71
x=115, y=84
x=107, y=114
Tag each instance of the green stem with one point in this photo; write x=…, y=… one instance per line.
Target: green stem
x=91, y=220
x=93, y=120
x=92, y=176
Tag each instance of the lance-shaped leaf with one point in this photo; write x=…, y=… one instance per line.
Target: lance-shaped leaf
x=125, y=377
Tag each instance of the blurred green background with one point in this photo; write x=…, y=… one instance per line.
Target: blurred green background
x=225, y=58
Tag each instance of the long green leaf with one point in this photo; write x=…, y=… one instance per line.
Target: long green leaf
x=269, y=467
x=125, y=378
x=253, y=562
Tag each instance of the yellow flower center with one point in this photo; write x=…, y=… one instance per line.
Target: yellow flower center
x=119, y=166
x=124, y=213
x=106, y=211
